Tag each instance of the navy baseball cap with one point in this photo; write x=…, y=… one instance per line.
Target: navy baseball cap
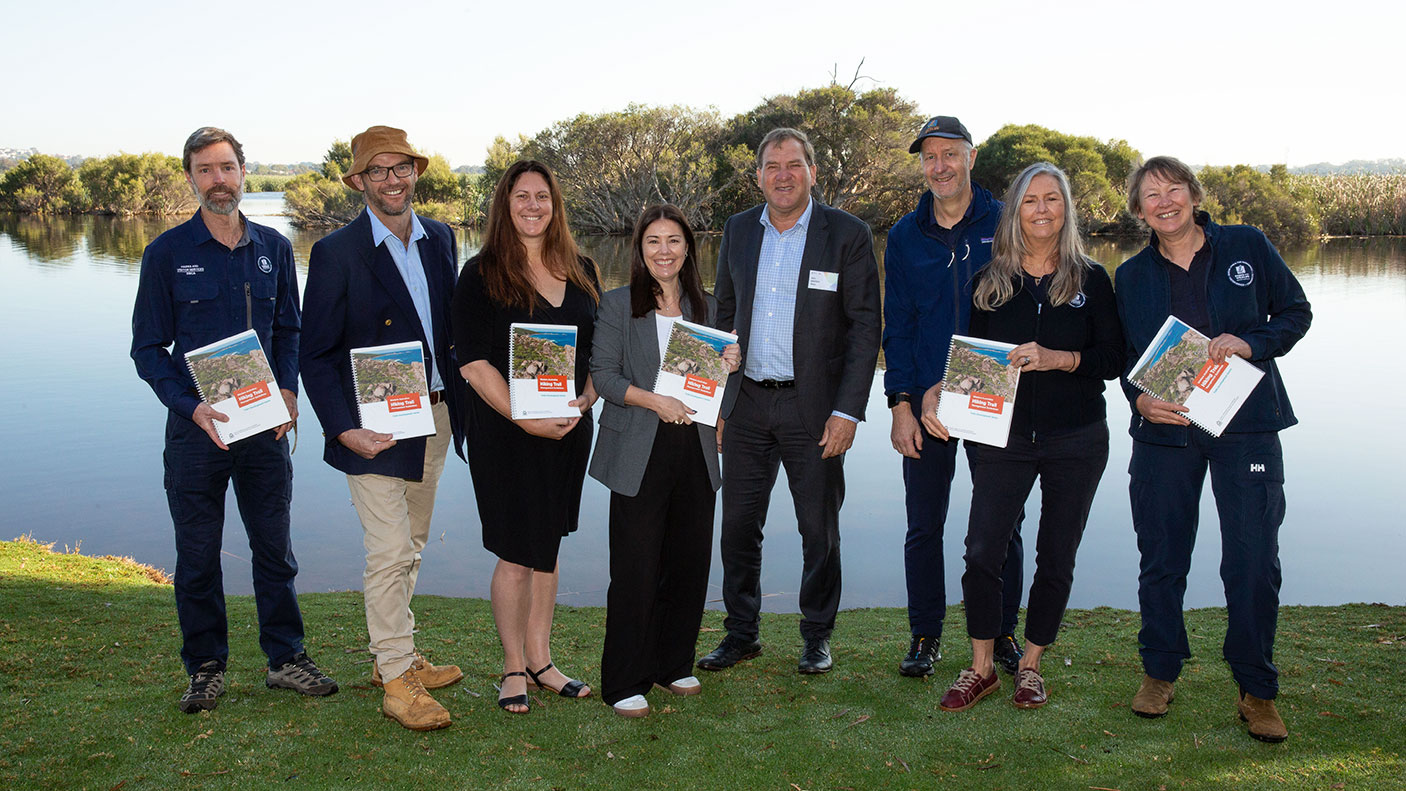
x=941, y=126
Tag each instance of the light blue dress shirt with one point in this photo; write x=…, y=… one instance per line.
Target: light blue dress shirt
x=407, y=262
x=770, y=351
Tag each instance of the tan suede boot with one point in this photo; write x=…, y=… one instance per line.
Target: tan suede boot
x=408, y=703
x=1263, y=718
x=1152, y=697
x=432, y=676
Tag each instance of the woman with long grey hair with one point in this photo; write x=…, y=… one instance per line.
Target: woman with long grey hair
x=1041, y=292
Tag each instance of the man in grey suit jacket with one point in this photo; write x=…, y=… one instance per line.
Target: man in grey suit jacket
x=798, y=282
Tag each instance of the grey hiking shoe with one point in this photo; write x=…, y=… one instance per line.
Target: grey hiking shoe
x=206, y=685
x=301, y=675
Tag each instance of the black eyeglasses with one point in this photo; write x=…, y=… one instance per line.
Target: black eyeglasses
x=401, y=171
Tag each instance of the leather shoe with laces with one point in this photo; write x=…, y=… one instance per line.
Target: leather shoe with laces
x=815, y=657
x=407, y=702
x=432, y=676
x=922, y=653
x=1007, y=654
x=729, y=652
x=1030, y=690
x=969, y=688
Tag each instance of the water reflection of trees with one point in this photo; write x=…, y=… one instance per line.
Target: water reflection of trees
x=48, y=239
x=62, y=239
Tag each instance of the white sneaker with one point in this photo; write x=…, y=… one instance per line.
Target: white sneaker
x=688, y=685
x=633, y=706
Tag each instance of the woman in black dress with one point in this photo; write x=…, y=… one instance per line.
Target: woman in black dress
x=527, y=474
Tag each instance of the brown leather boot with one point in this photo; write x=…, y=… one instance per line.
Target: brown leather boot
x=1263, y=718
x=408, y=703
x=1152, y=697
x=432, y=676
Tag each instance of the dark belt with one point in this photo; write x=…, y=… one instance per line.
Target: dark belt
x=436, y=397
x=772, y=384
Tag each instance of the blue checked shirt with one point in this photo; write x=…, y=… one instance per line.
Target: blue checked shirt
x=407, y=261
x=769, y=353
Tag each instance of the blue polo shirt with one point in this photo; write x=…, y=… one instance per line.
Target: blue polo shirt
x=193, y=291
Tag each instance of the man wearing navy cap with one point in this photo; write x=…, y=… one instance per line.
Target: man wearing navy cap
x=931, y=256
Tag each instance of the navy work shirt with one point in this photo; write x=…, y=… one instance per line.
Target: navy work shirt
x=194, y=291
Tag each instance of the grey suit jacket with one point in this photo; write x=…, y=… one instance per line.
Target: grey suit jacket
x=626, y=352
x=835, y=339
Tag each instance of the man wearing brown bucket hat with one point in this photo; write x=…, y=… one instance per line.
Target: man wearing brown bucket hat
x=387, y=278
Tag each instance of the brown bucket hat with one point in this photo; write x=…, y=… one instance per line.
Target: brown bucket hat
x=381, y=140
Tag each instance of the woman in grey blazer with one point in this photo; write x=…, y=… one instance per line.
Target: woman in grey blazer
x=661, y=467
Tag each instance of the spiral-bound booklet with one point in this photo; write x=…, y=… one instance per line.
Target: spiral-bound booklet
x=542, y=370
x=1176, y=366
x=392, y=393
x=233, y=376
x=692, y=369
x=978, y=391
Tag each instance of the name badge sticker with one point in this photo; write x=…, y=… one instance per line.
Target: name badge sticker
x=825, y=281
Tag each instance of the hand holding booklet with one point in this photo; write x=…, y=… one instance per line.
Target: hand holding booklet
x=1177, y=367
x=233, y=376
x=542, y=370
x=693, y=371
x=978, y=391
x=392, y=393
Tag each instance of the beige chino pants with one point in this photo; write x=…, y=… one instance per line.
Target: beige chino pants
x=395, y=522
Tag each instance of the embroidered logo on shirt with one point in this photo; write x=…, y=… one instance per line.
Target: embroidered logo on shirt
x=1240, y=273
x=1256, y=467
x=265, y=265
x=1078, y=300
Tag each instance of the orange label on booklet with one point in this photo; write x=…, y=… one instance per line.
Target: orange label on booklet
x=1209, y=374
x=551, y=384
x=697, y=384
x=252, y=394
x=985, y=402
x=403, y=403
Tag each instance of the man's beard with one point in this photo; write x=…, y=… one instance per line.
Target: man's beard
x=222, y=199
x=374, y=198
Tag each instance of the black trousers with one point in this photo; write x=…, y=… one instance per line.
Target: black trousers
x=763, y=433
x=1069, y=466
x=661, y=543
x=927, y=487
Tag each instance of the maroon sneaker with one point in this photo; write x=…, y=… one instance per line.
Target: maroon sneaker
x=969, y=688
x=1030, y=690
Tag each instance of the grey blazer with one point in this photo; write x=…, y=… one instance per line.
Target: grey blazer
x=626, y=352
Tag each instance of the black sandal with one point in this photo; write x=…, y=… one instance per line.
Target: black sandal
x=571, y=689
x=516, y=700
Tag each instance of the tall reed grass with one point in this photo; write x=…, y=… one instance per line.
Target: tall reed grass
x=1360, y=205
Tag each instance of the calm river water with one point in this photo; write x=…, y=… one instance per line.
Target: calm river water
x=85, y=459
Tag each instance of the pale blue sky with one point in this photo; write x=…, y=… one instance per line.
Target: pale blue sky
x=1210, y=82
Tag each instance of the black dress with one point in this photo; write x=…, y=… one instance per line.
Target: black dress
x=528, y=488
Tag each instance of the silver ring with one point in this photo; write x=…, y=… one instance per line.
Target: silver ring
x=1026, y=361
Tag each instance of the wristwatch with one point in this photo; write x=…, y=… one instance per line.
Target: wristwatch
x=898, y=398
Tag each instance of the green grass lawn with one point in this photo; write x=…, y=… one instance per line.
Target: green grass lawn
x=90, y=674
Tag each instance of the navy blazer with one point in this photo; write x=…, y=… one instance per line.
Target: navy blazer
x=356, y=297
x=835, y=339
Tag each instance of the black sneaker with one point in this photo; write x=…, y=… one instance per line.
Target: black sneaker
x=921, y=656
x=206, y=685
x=1008, y=654
x=301, y=675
